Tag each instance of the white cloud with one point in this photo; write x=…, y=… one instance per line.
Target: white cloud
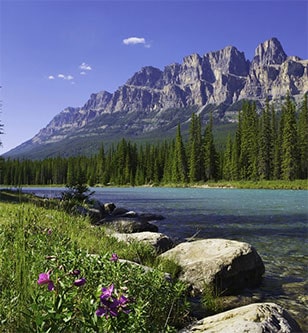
x=51, y=77
x=134, y=41
x=65, y=77
x=83, y=73
x=85, y=67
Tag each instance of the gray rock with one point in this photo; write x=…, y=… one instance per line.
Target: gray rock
x=127, y=224
x=109, y=207
x=253, y=318
x=119, y=211
x=130, y=213
x=160, y=242
x=229, y=265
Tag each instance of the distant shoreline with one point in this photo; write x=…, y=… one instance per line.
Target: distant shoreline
x=301, y=184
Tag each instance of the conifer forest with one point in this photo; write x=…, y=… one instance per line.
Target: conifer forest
x=267, y=145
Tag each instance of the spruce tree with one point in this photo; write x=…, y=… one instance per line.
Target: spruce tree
x=210, y=153
x=195, y=149
x=289, y=162
x=227, y=160
x=276, y=145
x=236, y=151
x=168, y=165
x=101, y=166
x=248, y=159
x=266, y=141
x=179, y=167
x=303, y=139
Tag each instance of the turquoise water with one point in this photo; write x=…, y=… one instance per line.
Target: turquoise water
x=273, y=221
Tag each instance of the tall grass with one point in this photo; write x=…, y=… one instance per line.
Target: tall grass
x=34, y=240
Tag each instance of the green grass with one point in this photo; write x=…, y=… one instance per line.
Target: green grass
x=34, y=240
x=299, y=184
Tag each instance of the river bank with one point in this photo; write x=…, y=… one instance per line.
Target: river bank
x=275, y=222
x=299, y=184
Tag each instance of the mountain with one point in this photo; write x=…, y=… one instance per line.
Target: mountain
x=153, y=101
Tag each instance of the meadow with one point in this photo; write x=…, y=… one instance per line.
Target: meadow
x=60, y=274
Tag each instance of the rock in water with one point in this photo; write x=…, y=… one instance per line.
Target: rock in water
x=229, y=265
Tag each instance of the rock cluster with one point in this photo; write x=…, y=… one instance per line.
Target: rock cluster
x=230, y=266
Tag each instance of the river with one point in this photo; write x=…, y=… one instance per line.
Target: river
x=273, y=221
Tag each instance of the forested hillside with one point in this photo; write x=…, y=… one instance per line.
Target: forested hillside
x=267, y=146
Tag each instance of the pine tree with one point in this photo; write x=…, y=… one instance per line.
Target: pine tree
x=248, y=159
x=266, y=142
x=236, y=151
x=168, y=164
x=210, y=153
x=195, y=149
x=227, y=160
x=101, y=169
x=277, y=129
x=179, y=167
x=289, y=163
x=303, y=139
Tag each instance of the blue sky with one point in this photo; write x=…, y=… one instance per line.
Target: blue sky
x=56, y=53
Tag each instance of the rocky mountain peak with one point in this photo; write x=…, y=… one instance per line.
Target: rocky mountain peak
x=229, y=60
x=155, y=101
x=98, y=100
x=147, y=77
x=270, y=53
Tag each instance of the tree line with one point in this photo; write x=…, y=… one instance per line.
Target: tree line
x=272, y=145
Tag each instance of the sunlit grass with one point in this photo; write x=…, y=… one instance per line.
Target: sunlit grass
x=298, y=184
x=34, y=240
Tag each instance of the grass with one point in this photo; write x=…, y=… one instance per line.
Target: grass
x=35, y=240
x=299, y=184
x=36, y=236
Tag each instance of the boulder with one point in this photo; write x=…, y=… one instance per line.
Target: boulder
x=119, y=211
x=228, y=265
x=253, y=318
x=160, y=242
x=127, y=224
x=109, y=207
x=130, y=213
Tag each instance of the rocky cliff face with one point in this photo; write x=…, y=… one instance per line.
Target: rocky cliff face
x=272, y=74
x=217, y=78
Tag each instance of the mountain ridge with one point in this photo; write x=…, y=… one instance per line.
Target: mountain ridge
x=154, y=99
